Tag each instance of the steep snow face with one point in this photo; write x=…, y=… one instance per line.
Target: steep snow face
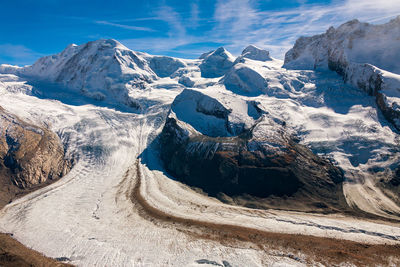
x=216, y=64
x=384, y=85
x=353, y=42
x=255, y=53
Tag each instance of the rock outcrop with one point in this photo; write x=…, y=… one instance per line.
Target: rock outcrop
x=395, y=181
x=258, y=163
x=29, y=155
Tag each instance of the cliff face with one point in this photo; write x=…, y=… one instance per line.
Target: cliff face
x=29, y=155
x=252, y=166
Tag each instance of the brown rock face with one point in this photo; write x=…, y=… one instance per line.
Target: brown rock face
x=263, y=167
x=29, y=155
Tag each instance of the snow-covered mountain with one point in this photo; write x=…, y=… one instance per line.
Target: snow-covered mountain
x=103, y=70
x=365, y=55
x=251, y=130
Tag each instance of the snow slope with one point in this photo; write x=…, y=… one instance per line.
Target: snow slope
x=354, y=42
x=365, y=55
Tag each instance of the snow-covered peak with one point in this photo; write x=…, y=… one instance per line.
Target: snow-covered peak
x=213, y=113
x=99, y=69
x=9, y=69
x=216, y=63
x=255, y=53
x=165, y=66
x=352, y=42
x=86, y=56
x=204, y=55
x=364, y=54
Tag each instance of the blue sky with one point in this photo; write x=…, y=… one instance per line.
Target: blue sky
x=34, y=28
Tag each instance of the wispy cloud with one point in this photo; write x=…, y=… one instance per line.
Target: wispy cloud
x=235, y=16
x=123, y=26
x=194, y=14
x=239, y=23
x=174, y=20
x=17, y=54
x=177, y=33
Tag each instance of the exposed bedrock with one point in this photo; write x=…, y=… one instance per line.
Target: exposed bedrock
x=253, y=168
x=395, y=181
x=29, y=155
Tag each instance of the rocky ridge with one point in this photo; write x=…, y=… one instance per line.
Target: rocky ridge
x=29, y=155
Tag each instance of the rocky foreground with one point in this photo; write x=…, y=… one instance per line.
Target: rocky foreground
x=29, y=157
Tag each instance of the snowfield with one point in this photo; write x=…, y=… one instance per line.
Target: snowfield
x=93, y=216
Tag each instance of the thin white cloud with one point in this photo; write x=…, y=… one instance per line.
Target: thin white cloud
x=123, y=26
x=235, y=16
x=173, y=18
x=237, y=23
x=240, y=23
x=17, y=54
x=194, y=15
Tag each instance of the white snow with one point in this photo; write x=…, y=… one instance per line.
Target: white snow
x=255, y=53
x=216, y=63
x=353, y=42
